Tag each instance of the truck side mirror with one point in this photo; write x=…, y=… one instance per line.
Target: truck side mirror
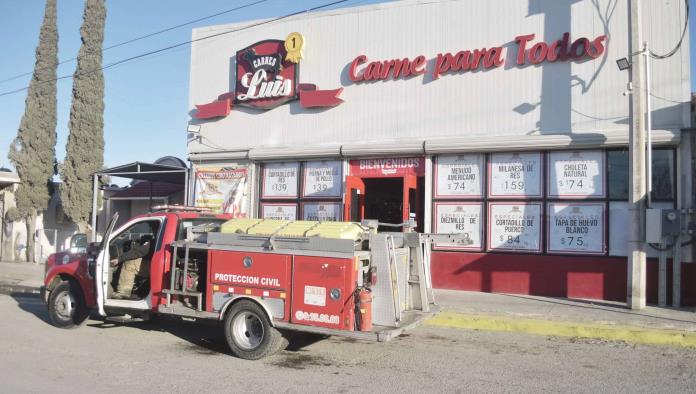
x=78, y=243
x=93, y=248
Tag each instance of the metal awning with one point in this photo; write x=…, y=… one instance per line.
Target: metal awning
x=7, y=178
x=148, y=172
x=143, y=172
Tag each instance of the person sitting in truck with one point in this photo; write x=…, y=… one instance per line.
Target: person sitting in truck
x=135, y=262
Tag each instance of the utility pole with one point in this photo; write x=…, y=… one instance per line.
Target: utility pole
x=637, y=185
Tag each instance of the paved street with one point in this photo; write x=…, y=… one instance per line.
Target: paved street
x=171, y=356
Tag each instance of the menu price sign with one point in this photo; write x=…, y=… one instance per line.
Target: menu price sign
x=514, y=227
x=458, y=176
x=576, y=174
x=322, y=179
x=280, y=180
x=279, y=211
x=576, y=228
x=460, y=218
x=321, y=211
x=515, y=175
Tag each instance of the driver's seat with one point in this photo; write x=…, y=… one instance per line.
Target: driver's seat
x=142, y=280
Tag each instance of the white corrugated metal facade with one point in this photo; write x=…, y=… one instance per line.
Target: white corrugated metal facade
x=561, y=101
x=576, y=106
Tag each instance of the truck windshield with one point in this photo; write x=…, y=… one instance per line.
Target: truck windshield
x=186, y=223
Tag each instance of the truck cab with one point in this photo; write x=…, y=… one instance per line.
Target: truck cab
x=77, y=282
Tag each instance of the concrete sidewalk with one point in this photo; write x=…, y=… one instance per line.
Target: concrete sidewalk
x=21, y=277
x=563, y=317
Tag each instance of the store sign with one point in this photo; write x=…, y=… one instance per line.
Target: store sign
x=322, y=179
x=514, y=175
x=267, y=75
x=222, y=189
x=323, y=212
x=576, y=228
x=458, y=176
x=265, y=79
x=514, y=227
x=459, y=218
x=528, y=52
x=391, y=167
x=279, y=211
x=280, y=180
x=577, y=174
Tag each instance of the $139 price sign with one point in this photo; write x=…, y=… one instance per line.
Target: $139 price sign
x=322, y=179
x=280, y=180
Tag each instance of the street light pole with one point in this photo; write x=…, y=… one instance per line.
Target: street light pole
x=637, y=185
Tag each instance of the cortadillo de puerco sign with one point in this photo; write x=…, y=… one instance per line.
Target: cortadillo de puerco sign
x=267, y=75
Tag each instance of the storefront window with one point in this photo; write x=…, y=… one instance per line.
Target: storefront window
x=576, y=174
x=514, y=175
x=662, y=176
x=320, y=183
x=460, y=177
x=617, y=165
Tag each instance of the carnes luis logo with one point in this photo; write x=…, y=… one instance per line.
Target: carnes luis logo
x=264, y=79
x=266, y=76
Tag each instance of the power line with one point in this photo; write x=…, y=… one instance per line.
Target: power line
x=128, y=59
x=145, y=36
x=681, y=39
x=668, y=100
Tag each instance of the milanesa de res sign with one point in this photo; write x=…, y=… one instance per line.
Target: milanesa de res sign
x=486, y=58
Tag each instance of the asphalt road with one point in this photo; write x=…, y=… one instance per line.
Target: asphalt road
x=180, y=357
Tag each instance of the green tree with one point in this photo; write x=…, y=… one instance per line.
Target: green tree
x=85, y=148
x=33, y=151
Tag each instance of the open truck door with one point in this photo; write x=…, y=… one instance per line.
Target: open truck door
x=101, y=271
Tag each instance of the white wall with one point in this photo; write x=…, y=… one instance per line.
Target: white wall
x=548, y=99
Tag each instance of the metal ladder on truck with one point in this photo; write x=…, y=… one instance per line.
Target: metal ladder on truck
x=409, y=288
x=179, y=287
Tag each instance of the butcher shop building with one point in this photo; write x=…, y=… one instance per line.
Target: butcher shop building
x=507, y=121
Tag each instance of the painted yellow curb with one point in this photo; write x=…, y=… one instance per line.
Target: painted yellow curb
x=564, y=329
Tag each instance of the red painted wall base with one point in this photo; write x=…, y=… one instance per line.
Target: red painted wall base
x=602, y=278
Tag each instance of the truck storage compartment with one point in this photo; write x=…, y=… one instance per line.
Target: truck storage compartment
x=248, y=269
x=262, y=275
x=322, y=291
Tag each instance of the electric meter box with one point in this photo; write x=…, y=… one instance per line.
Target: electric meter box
x=660, y=223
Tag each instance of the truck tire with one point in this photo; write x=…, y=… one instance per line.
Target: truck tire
x=66, y=306
x=249, y=333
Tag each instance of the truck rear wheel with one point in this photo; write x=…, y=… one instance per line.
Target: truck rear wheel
x=66, y=306
x=249, y=333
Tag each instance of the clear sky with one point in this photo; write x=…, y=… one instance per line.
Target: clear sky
x=146, y=100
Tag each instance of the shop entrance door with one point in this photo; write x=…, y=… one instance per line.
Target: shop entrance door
x=388, y=200
x=354, y=208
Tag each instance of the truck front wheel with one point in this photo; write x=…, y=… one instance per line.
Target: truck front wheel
x=249, y=333
x=66, y=307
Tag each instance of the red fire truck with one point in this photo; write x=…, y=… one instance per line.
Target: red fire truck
x=262, y=278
